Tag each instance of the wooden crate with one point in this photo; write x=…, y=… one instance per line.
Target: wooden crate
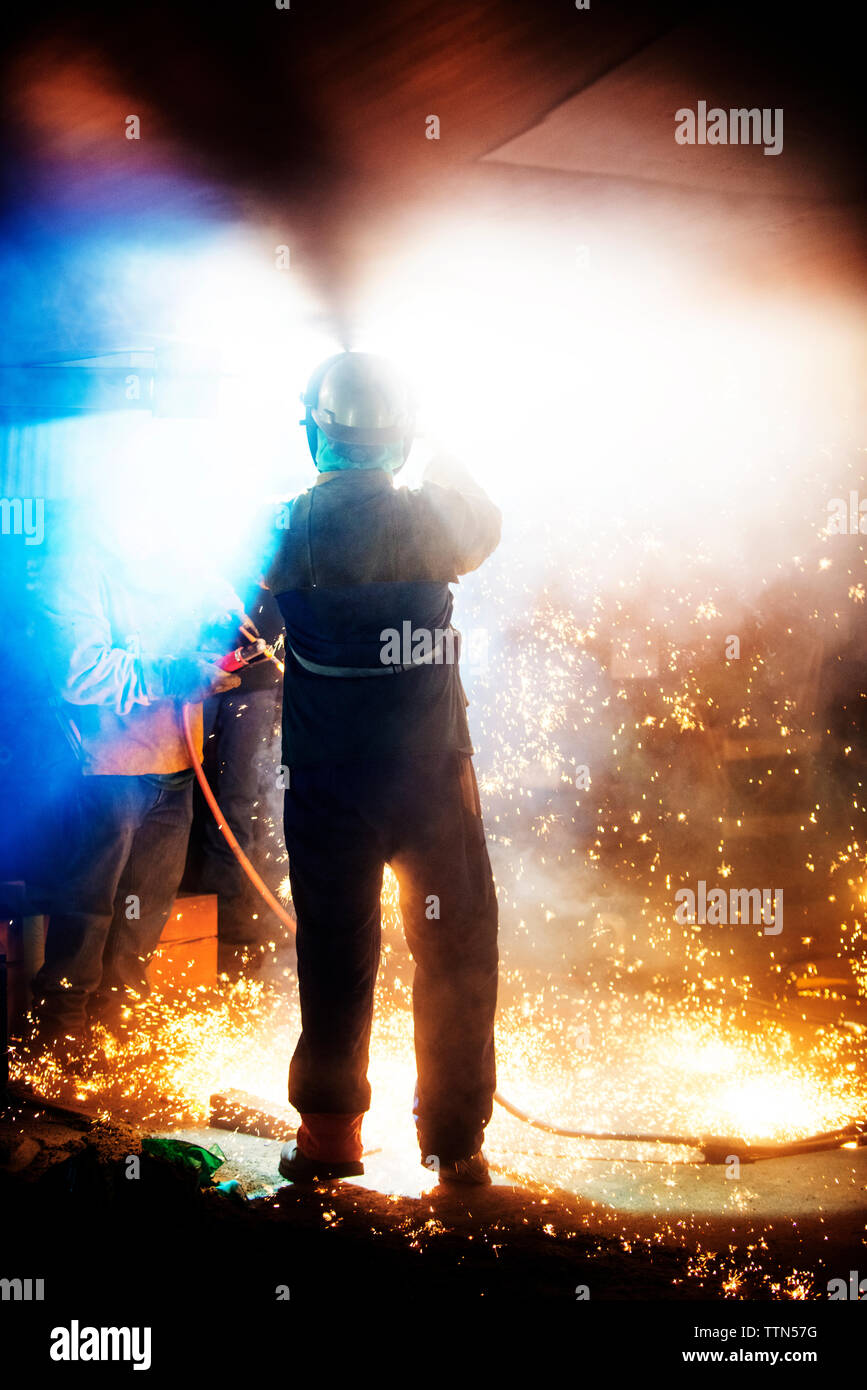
x=186, y=957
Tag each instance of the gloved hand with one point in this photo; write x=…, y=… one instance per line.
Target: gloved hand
x=219, y=681
x=191, y=678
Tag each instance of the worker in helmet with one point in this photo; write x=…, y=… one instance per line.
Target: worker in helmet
x=379, y=762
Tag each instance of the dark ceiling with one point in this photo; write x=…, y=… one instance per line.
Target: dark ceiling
x=313, y=117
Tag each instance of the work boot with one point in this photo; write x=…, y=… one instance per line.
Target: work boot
x=326, y=1147
x=296, y=1167
x=471, y=1172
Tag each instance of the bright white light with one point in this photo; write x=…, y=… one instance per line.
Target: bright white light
x=602, y=390
x=614, y=385
x=187, y=491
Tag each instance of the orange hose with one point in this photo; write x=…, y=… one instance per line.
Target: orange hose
x=713, y=1148
x=226, y=830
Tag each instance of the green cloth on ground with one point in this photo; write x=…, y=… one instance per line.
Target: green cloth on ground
x=198, y=1160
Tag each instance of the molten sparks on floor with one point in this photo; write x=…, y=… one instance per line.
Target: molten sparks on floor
x=637, y=1065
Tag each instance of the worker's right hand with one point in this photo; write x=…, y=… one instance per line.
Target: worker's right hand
x=219, y=680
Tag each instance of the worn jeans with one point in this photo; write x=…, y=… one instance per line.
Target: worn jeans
x=239, y=761
x=116, y=898
x=422, y=815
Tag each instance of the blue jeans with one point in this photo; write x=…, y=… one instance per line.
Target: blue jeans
x=115, y=900
x=240, y=763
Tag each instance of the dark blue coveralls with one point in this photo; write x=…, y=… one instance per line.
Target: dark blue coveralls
x=380, y=771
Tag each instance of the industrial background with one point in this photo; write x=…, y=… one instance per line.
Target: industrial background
x=653, y=355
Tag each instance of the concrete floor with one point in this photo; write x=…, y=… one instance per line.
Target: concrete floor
x=668, y=1197
x=627, y=1227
